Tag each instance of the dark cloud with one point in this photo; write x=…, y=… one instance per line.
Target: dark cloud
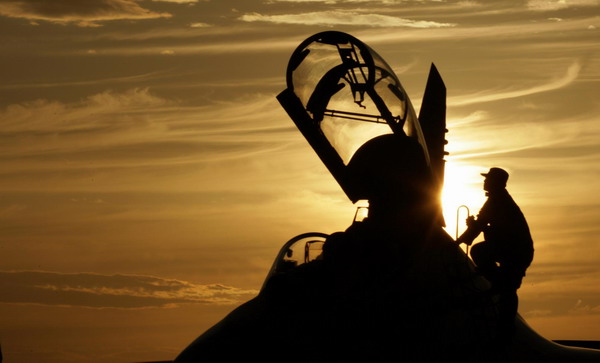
x=110, y=291
x=81, y=12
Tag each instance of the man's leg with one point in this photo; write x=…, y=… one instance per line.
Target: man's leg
x=509, y=281
x=507, y=310
x=484, y=256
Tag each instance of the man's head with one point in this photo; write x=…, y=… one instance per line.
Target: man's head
x=495, y=179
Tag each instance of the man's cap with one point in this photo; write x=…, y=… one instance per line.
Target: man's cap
x=497, y=174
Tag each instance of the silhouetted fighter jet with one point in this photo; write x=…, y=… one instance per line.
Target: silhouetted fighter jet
x=433, y=304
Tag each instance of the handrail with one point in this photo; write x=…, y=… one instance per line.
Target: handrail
x=457, y=216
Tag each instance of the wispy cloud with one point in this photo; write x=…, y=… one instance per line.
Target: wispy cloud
x=340, y=17
x=494, y=32
x=48, y=115
x=200, y=25
x=348, y=1
x=554, y=144
x=503, y=139
x=135, y=128
x=111, y=291
x=551, y=5
x=245, y=114
x=179, y=1
x=371, y=28
x=263, y=45
x=488, y=96
x=113, y=80
x=80, y=12
x=581, y=308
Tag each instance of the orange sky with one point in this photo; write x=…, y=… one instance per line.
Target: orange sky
x=149, y=176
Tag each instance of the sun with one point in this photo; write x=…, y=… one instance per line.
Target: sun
x=462, y=187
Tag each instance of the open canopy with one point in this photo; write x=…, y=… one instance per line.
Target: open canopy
x=341, y=94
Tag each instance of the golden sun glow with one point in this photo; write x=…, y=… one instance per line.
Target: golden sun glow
x=462, y=187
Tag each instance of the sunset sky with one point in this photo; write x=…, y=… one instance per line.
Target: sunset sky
x=148, y=175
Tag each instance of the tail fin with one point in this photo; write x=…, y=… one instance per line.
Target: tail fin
x=432, y=117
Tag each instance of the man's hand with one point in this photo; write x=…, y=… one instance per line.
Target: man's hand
x=471, y=233
x=470, y=221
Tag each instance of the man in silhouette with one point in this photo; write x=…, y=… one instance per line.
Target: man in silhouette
x=507, y=251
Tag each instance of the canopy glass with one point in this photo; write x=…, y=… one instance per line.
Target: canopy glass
x=350, y=92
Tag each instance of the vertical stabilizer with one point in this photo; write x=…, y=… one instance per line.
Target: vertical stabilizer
x=432, y=117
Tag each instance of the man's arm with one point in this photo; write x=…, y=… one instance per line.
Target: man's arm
x=475, y=226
